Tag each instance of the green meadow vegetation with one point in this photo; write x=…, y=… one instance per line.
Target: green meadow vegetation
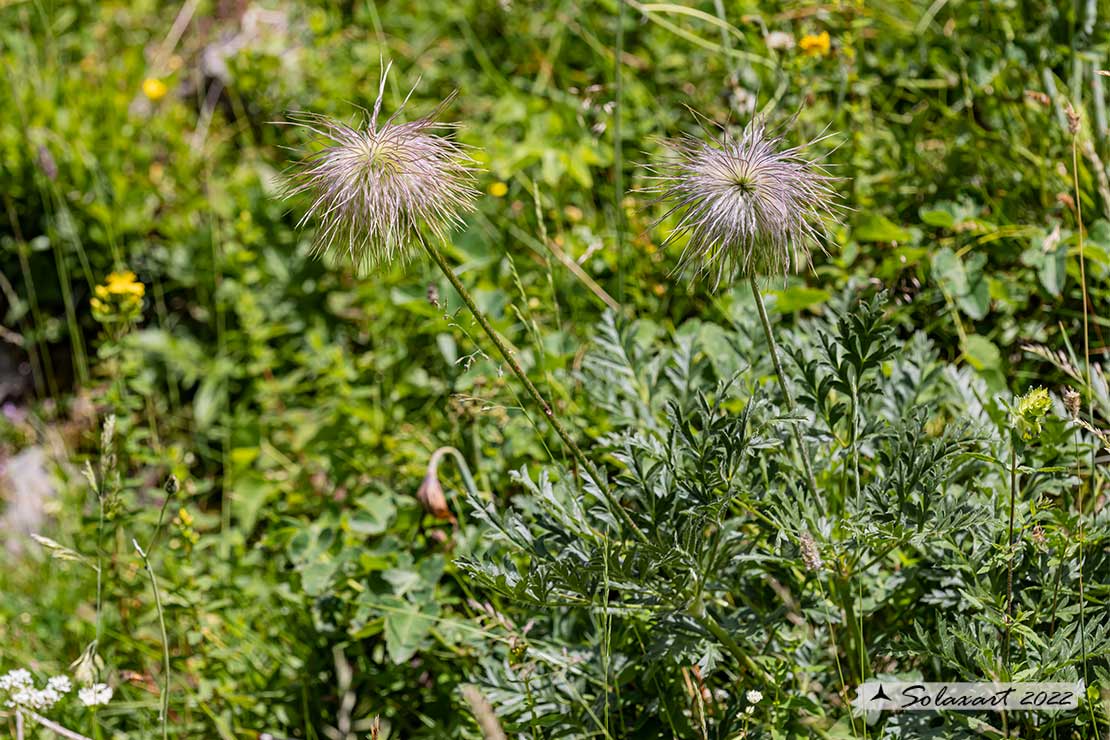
x=553, y=457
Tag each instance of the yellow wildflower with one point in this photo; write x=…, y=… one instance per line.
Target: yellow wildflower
x=118, y=299
x=154, y=88
x=498, y=189
x=815, y=45
x=122, y=283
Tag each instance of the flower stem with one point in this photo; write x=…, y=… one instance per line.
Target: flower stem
x=165, y=708
x=1010, y=554
x=464, y=469
x=730, y=644
x=773, y=349
x=54, y=727
x=549, y=413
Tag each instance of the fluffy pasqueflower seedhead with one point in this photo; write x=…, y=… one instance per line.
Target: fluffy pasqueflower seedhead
x=374, y=187
x=747, y=203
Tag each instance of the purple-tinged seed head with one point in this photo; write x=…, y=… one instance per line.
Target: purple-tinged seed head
x=747, y=204
x=374, y=188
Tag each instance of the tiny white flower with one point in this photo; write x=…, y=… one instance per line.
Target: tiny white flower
x=19, y=697
x=17, y=679
x=95, y=695
x=780, y=40
x=750, y=709
x=754, y=697
x=44, y=698
x=61, y=684
x=33, y=698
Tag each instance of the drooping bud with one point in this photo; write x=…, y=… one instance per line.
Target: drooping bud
x=430, y=494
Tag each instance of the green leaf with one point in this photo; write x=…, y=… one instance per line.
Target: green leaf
x=407, y=626
x=376, y=511
x=249, y=494
x=799, y=297
x=209, y=401
x=949, y=273
x=976, y=301
x=982, y=354
x=937, y=217
x=317, y=575
x=873, y=227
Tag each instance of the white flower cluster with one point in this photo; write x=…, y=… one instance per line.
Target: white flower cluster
x=754, y=697
x=15, y=680
x=95, y=695
x=20, y=687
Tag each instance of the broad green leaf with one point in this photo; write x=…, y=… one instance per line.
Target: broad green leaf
x=375, y=512
x=873, y=227
x=937, y=217
x=981, y=353
x=799, y=297
x=407, y=625
x=949, y=273
x=317, y=575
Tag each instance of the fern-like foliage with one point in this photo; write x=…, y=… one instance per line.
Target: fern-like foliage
x=739, y=577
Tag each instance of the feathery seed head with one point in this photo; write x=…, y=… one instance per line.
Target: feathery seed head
x=811, y=554
x=373, y=188
x=747, y=204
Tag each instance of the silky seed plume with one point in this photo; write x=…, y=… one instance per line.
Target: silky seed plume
x=746, y=203
x=374, y=188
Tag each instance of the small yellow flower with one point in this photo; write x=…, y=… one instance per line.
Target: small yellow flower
x=119, y=299
x=154, y=88
x=124, y=283
x=498, y=189
x=815, y=45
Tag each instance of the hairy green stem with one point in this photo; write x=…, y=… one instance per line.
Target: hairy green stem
x=714, y=628
x=773, y=349
x=165, y=706
x=464, y=469
x=548, y=412
x=1089, y=389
